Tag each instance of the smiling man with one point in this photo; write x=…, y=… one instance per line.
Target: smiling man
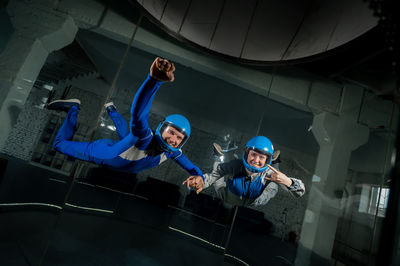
x=250, y=181
x=138, y=147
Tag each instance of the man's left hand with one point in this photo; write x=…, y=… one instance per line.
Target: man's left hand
x=162, y=70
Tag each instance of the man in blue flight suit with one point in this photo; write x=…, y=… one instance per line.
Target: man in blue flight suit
x=251, y=180
x=138, y=148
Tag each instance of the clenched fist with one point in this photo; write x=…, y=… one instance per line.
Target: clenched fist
x=162, y=70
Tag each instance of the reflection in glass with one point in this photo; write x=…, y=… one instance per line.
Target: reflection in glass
x=373, y=199
x=331, y=135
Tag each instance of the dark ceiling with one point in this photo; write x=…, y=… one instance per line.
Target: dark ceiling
x=264, y=30
x=369, y=59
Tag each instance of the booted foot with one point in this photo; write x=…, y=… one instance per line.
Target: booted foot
x=110, y=107
x=63, y=105
x=276, y=155
x=217, y=149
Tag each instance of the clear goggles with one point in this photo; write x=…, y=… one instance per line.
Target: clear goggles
x=173, y=131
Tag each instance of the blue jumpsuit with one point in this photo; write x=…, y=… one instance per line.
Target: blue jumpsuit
x=135, y=151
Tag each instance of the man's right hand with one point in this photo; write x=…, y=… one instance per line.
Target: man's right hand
x=162, y=70
x=195, y=182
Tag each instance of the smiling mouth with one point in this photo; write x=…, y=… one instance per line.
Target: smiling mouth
x=255, y=165
x=171, y=144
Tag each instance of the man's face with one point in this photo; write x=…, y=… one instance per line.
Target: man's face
x=256, y=159
x=172, y=136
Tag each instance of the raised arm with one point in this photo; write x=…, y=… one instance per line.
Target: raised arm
x=160, y=71
x=293, y=185
x=186, y=164
x=297, y=189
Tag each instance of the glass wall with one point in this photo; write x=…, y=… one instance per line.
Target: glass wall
x=335, y=139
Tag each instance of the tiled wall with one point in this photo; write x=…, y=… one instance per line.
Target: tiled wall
x=29, y=127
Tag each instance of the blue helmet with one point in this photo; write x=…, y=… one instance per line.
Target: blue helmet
x=262, y=145
x=178, y=122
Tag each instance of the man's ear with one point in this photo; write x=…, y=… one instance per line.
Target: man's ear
x=275, y=155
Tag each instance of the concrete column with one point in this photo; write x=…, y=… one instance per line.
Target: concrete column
x=337, y=136
x=39, y=30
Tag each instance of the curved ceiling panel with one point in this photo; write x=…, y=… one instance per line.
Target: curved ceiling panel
x=264, y=30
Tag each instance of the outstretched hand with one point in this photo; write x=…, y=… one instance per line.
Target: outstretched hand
x=162, y=70
x=279, y=177
x=195, y=182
